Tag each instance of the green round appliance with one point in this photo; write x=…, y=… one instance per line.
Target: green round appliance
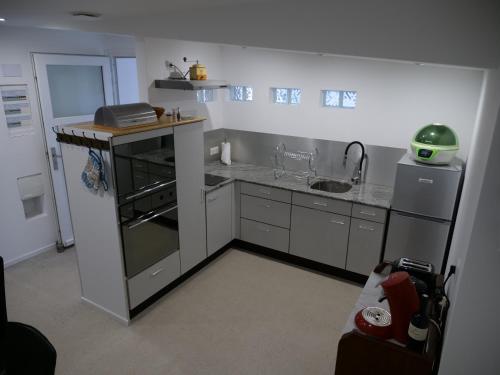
x=434, y=144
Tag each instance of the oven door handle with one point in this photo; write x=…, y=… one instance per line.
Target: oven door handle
x=155, y=214
x=150, y=190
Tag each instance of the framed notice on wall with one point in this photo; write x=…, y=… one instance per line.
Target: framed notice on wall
x=16, y=107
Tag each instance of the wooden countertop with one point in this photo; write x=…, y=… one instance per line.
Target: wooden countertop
x=163, y=122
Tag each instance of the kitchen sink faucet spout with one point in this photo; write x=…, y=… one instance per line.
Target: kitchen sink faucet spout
x=356, y=178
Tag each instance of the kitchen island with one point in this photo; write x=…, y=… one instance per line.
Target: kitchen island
x=140, y=226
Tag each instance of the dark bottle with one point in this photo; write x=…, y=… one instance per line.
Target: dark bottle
x=419, y=327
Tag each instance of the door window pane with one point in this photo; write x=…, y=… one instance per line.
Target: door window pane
x=126, y=75
x=75, y=90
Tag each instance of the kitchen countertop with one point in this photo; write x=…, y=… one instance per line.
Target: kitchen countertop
x=163, y=122
x=364, y=193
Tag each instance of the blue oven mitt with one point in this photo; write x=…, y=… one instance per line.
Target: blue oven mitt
x=92, y=171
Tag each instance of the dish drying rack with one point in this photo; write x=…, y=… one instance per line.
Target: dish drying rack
x=281, y=154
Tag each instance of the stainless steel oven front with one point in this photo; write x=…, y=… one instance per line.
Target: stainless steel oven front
x=147, y=200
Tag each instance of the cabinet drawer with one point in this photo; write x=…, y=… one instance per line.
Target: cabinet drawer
x=265, y=211
x=369, y=213
x=266, y=192
x=265, y=235
x=151, y=280
x=365, y=246
x=321, y=203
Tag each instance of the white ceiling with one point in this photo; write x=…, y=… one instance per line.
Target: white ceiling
x=456, y=32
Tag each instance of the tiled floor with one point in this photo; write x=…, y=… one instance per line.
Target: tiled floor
x=242, y=314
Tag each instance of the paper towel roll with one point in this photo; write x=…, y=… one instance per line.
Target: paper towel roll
x=225, y=156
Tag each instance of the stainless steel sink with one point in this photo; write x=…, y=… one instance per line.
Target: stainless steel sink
x=332, y=186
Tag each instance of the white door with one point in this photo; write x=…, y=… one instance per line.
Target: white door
x=70, y=88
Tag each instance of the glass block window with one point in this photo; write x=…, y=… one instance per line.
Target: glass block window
x=205, y=95
x=286, y=95
x=241, y=93
x=339, y=98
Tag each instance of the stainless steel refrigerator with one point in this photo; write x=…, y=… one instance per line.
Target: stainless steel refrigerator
x=423, y=211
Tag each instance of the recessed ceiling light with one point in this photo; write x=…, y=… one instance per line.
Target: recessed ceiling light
x=2, y=19
x=89, y=16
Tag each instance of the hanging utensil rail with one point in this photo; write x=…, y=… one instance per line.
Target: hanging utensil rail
x=80, y=140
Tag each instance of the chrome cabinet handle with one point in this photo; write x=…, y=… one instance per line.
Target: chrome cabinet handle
x=368, y=213
x=265, y=205
x=150, y=190
x=425, y=180
x=149, y=218
x=337, y=222
x=211, y=199
x=322, y=204
x=364, y=227
x=263, y=191
x=153, y=274
x=263, y=229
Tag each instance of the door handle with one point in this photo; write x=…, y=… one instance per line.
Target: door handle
x=337, y=222
x=320, y=204
x=364, y=227
x=54, y=155
x=145, y=218
x=153, y=274
x=264, y=191
x=368, y=213
x=425, y=180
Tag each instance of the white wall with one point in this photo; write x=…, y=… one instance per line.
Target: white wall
x=394, y=98
x=471, y=340
x=21, y=238
x=151, y=56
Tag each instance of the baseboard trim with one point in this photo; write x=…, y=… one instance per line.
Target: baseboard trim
x=31, y=254
x=301, y=262
x=246, y=246
x=117, y=317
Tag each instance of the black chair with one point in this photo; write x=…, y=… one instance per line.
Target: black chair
x=24, y=349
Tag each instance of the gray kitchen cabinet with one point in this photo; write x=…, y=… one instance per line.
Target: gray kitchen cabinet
x=219, y=218
x=154, y=278
x=265, y=211
x=275, y=238
x=365, y=246
x=322, y=203
x=266, y=192
x=370, y=213
x=190, y=175
x=236, y=210
x=319, y=235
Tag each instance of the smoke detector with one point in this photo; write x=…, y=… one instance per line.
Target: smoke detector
x=85, y=16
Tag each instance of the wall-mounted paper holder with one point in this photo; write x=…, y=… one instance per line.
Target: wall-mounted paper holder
x=31, y=192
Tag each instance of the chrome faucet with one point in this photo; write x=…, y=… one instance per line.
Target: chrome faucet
x=356, y=178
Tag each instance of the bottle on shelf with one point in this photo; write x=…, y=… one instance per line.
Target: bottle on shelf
x=419, y=326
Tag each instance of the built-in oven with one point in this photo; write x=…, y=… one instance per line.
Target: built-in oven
x=147, y=200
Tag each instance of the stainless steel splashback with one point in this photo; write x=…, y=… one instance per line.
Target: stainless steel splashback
x=258, y=148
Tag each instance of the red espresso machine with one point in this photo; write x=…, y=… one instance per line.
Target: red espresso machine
x=403, y=302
